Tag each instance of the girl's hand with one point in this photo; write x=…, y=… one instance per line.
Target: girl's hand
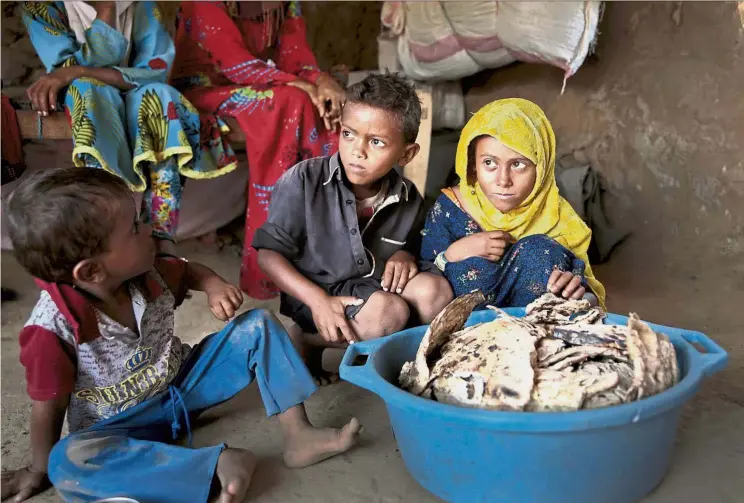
x=488, y=245
x=566, y=285
x=43, y=93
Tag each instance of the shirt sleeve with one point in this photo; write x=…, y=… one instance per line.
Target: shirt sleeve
x=294, y=54
x=152, y=47
x=57, y=46
x=50, y=369
x=172, y=271
x=209, y=24
x=284, y=229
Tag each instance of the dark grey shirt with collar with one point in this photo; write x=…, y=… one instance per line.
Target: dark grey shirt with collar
x=313, y=223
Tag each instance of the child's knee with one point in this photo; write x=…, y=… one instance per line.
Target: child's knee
x=540, y=249
x=254, y=317
x=387, y=313
x=431, y=293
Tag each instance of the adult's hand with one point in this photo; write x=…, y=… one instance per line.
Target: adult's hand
x=329, y=91
x=43, y=93
x=312, y=92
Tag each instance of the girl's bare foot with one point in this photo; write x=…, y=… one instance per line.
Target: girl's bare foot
x=307, y=445
x=234, y=471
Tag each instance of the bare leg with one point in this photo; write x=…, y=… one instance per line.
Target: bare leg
x=305, y=445
x=310, y=347
x=428, y=294
x=383, y=314
x=234, y=471
x=166, y=247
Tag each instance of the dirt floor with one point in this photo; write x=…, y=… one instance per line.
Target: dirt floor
x=708, y=464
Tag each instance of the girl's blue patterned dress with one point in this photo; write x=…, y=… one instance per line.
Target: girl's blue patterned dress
x=520, y=277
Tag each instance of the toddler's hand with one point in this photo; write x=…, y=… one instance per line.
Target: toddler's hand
x=23, y=484
x=566, y=285
x=224, y=299
x=329, y=315
x=399, y=270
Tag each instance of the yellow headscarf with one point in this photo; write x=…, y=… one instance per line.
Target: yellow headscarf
x=522, y=126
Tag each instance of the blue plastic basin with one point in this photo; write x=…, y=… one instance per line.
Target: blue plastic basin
x=612, y=455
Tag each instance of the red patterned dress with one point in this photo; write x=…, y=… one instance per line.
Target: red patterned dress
x=240, y=68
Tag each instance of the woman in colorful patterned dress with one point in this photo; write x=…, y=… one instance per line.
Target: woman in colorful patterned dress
x=504, y=229
x=108, y=64
x=251, y=61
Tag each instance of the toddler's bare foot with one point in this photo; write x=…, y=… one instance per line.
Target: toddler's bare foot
x=307, y=445
x=234, y=471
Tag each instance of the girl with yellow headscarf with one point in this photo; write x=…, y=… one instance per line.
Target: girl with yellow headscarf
x=505, y=229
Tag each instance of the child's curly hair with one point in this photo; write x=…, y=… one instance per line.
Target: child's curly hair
x=393, y=94
x=59, y=217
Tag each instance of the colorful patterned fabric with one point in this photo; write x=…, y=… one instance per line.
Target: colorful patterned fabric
x=520, y=277
x=141, y=134
x=522, y=126
x=227, y=67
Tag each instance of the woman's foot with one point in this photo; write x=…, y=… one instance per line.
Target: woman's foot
x=307, y=445
x=234, y=471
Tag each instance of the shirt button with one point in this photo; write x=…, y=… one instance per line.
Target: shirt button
x=360, y=261
x=349, y=201
x=353, y=232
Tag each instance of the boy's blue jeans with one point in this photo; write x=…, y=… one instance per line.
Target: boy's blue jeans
x=132, y=454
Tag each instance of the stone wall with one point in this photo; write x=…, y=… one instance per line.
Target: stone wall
x=340, y=33
x=659, y=111
x=20, y=64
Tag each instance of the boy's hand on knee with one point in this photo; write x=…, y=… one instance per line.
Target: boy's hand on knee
x=23, y=484
x=329, y=315
x=566, y=284
x=399, y=270
x=224, y=299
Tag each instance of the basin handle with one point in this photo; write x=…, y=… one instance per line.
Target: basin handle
x=361, y=373
x=715, y=357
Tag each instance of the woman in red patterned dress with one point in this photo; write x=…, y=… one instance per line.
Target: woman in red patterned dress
x=251, y=61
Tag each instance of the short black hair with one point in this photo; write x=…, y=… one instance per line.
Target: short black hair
x=393, y=93
x=59, y=217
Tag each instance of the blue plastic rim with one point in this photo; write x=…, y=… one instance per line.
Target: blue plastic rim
x=468, y=455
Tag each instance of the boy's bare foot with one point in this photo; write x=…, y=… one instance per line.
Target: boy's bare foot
x=308, y=445
x=234, y=471
x=308, y=347
x=314, y=361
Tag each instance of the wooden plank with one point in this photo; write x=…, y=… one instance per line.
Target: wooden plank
x=418, y=169
x=56, y=127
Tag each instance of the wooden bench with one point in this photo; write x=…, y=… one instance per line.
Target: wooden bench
x=56, y=127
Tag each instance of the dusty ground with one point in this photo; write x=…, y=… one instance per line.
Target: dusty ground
x=708, y=464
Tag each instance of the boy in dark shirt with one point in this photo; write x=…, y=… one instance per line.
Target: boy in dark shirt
x=100, y=348
x=343, y=231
